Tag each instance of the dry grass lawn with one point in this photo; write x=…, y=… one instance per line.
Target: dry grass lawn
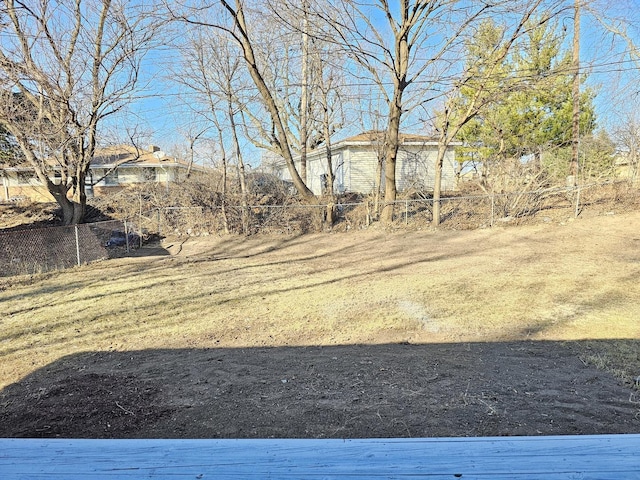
x=576, y=280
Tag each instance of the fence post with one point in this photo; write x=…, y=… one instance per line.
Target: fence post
x=77, y=245
x=493, y=206
x=126, y=235
x=406, y=212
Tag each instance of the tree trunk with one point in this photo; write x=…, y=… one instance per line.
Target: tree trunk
x=72, y=209
x=79, y=200
x=243, y=178
x=304, y=101
x=575, y=140
x=223, y=201
x=392, y=143
x=378, y=184
x=67, y=208
x=392, y=140
x=326, y=125
x=281, y=138
x=437, y=182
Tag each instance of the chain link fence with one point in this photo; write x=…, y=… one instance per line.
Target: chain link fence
x=517, y=207
x=45, y=249
x=202, y=221
x=459, y=212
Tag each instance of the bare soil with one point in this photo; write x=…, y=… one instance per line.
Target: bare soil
x=509, y=331
x=392, y=390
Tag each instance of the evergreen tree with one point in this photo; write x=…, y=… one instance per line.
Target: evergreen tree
x=596, y=160
x=533, y=114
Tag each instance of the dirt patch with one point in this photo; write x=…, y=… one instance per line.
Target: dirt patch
x=471, y=389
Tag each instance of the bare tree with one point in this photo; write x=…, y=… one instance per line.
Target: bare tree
x=627, y=138
x=328, y=115
x=397, y=45
x=322, y=81
x=620, y=31
x=210, y=73
x=326, y=98
x=232, y=20
x=305, y=93
x=65, y=66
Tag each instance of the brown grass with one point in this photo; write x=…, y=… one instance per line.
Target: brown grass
x=569, y=280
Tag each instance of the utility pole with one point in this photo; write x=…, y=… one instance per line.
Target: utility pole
x=573, y=168
x=304, y=102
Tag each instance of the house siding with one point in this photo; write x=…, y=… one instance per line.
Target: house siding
x=15, y=188
x=362, y=167
x=315, y=169
x=133, y=175
x=416, y=169
x=12, y=187
x=356, y=168
x=35, y=193
x=125, y=165
x=355, y=161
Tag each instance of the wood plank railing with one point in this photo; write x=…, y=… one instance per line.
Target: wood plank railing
x=594, y=457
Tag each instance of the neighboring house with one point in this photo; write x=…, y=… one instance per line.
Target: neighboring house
x=21, y=183
x=115, y=168
x=112, y=169
x=355, y=161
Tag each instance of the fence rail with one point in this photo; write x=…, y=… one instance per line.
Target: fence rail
x=456, y=212
x=41, y=250
x=44, y=249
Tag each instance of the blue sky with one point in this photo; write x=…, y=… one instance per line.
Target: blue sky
x=164, y=117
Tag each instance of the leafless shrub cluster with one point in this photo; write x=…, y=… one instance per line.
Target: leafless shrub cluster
x=611, y=197
x=197, y=206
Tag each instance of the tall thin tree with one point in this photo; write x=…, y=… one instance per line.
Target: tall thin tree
x=395, y=46
x=232, y=20
x=575, y=140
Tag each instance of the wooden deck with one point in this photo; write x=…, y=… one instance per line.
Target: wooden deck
x=562, y=457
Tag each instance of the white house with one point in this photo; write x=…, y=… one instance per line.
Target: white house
x=355, y=162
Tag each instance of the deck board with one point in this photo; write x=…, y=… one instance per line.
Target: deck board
x=561, y=457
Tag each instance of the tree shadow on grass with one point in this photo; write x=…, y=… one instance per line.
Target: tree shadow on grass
x=350, y=391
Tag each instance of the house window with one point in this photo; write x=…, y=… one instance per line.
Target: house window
x=149, y=174
x=27, y=178
x=112, y=178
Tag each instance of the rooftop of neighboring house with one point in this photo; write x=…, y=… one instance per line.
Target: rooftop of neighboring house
x=129, y=154
x=365, y=139
x=372, y=136
x=119, y=155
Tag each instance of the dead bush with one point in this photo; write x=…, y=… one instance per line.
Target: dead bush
x=197, y=206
